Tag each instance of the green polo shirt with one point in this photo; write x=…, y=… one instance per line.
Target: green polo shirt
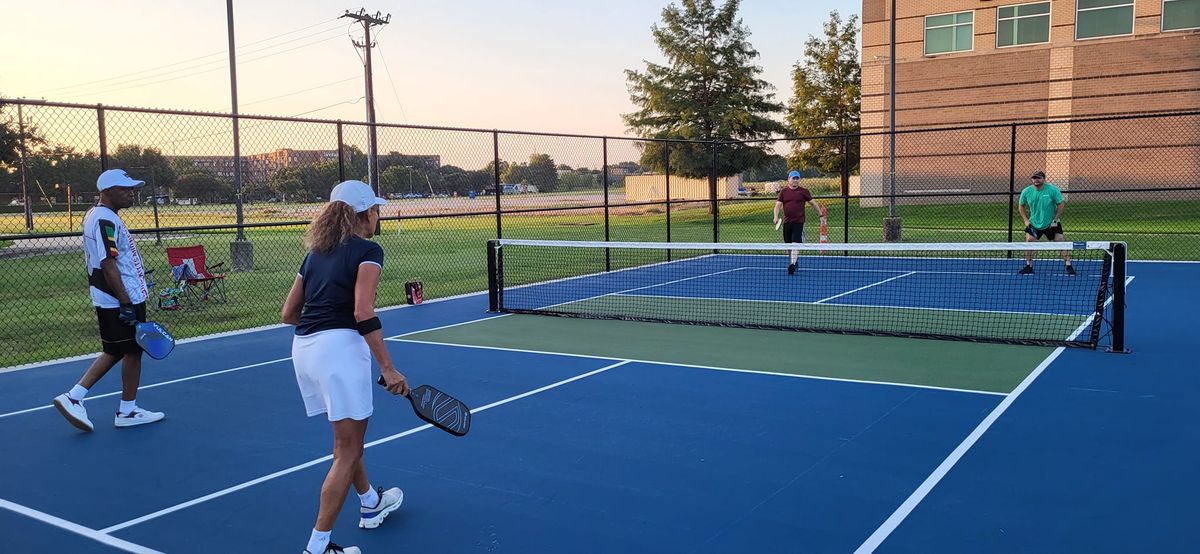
x=1042, y=204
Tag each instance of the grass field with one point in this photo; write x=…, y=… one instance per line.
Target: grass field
x=47, y=314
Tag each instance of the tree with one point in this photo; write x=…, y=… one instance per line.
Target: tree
x=542, y=173
x=515, y=173
x=709, y=90
x=396, y=179
x=203, y=186
x=11, y=135
x=774, y=168
x=147, y=164
x=826, y=97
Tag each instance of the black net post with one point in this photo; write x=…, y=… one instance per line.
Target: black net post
x=494, y=277
x=1118, y=299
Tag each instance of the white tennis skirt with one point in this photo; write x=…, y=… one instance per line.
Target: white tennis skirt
x=333, y=370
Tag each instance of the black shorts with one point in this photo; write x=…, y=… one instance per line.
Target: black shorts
x=1048, y=232
x=115, y=335
x=793, y=232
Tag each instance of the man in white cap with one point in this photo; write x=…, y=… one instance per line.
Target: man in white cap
x=117, y=282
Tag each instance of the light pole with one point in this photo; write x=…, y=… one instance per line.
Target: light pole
x=891, y=223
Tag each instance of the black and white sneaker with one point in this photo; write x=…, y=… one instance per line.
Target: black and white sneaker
x=1027, y=270
x=335, y=549
x=1070, y=270
x=791, y=269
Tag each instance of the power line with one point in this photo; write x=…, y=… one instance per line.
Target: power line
x=403, y=116
x=138, y=85
x=172, y=64
x=331, y=83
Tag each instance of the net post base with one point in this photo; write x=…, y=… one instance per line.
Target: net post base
x=891, y=229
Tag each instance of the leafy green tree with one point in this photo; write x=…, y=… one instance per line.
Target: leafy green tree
x=10, y=137
x=774, y=168
x=204, y=187
x=826, y=99
x=708, y=90
x=148, y=164
x=516, y=173
x=542, y=173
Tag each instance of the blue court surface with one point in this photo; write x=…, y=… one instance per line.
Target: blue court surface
x=569, y=452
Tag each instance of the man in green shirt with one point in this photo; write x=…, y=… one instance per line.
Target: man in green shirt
x=1041, y=207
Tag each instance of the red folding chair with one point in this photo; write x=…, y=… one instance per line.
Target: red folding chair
x=195, y=280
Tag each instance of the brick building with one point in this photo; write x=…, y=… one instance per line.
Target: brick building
x=972, y=62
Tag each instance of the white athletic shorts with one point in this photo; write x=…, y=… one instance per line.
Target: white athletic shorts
x=333, y=370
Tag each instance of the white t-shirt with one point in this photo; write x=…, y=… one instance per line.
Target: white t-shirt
x=105, y=236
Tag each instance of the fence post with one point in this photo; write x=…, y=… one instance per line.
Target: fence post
x=604, y=176
x=1012, y=179
x=712, y=193
x=342, y=154
x=102, y=126
x=24, y=170
x=667, y=176
x=845, y=191
x=496, y=178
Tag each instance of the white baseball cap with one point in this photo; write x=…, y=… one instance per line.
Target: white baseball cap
x=357, y=194
x=116, y=178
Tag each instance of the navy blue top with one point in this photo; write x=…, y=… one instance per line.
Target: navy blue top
x=329, y=285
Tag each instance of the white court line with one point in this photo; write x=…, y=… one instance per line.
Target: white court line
x=864, y=287
x=293, y=469
x=98, y=536
x=224, y=334
x=893, y=307
x=881, y=534
x=696, y=366
x=150, y=386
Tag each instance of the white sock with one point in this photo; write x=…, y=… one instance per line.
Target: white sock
x=369, y=499
x=127, y=406
x=77, y=392
x=318, y=541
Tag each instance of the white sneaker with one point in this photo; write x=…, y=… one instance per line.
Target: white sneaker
x=389, y=501
x=137, y=417
x=335, y=549
x=74, y=411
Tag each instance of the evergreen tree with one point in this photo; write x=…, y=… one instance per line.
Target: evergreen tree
x=826, y=98
x=709, y=90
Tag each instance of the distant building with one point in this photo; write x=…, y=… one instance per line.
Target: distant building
x=972, y=62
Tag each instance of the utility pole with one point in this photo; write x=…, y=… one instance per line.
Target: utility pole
x=369, y=21
x=241, y=251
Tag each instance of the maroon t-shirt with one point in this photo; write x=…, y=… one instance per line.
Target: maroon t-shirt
x=793, y=203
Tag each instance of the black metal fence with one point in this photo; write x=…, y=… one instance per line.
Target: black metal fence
x=1135, y=179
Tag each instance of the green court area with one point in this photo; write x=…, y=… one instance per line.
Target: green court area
x=800, y=315
x=959, y=365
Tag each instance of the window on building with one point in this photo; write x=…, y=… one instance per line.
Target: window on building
x=949, y=32
x=1103, y=18
x=1023, y=24
x=1180, y=14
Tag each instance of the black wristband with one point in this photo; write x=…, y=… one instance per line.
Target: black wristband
x=368, y=325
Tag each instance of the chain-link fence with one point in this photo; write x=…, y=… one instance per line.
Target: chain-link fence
x=450, y=190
